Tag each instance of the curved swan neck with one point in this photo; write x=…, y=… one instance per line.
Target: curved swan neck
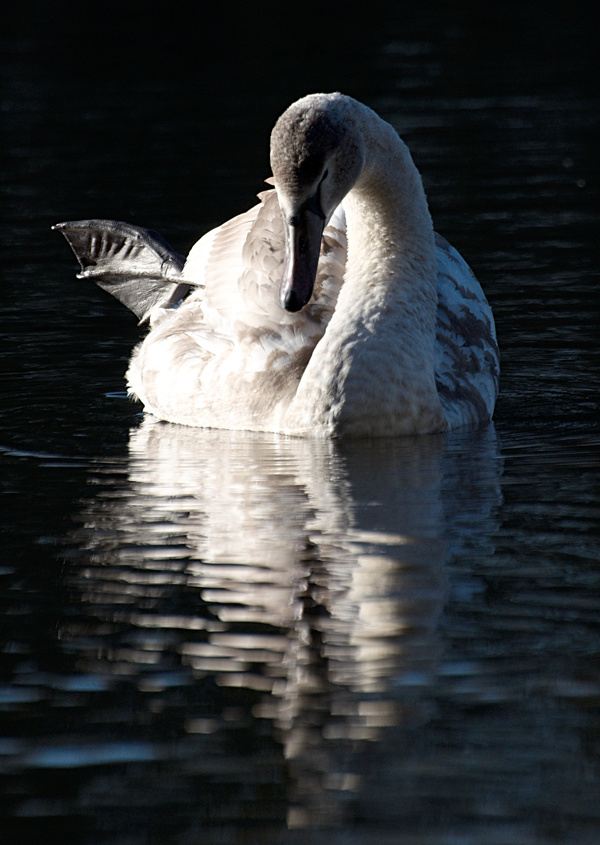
x=390, y=231
x=373, y=370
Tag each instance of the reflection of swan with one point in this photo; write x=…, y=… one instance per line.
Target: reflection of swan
x=391, y=335
x=301, y=576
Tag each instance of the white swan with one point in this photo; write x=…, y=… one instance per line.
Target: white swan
x=330, y=308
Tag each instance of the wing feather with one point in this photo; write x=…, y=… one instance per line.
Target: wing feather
x=136, y=265
x=240, y=266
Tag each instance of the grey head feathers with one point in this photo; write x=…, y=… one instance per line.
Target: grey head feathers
x=315, y=134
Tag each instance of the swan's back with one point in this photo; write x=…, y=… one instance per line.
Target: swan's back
x=233, y=327
x=467, y=366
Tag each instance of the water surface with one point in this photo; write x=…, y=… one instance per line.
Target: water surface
x=220, y=637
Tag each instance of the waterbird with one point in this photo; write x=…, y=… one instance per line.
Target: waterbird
x=330, y=308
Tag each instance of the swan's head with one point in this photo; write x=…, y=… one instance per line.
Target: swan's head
x=317, y=154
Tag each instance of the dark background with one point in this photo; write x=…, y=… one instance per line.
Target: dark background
x=159, y=114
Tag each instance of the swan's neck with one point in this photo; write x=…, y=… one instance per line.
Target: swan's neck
x=391, y=262
x=373, y=371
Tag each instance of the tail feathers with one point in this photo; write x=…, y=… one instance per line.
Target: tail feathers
x=137, y=266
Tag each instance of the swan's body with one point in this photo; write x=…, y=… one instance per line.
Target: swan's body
x=389, y=333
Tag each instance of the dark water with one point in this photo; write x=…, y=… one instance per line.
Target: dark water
x=210, y=637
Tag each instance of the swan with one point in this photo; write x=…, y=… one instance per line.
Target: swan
x=330, y=308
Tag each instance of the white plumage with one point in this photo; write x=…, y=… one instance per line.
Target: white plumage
x=395, y=337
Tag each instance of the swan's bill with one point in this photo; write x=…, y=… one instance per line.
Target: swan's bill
x=303, y=235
